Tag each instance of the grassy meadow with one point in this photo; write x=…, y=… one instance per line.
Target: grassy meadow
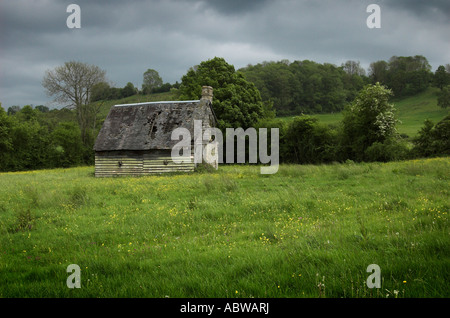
x=306, y=231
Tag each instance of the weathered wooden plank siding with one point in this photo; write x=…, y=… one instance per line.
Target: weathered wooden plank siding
x=160, y=161
x=137, y=163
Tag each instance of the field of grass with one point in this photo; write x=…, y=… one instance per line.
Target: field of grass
x=411, y=111
x=306, y=231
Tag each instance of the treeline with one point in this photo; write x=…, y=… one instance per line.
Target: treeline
x=39, y=138
x=304, y=86
x=366, y=133
x=103, y=91
x=309, y=87
x=405, y=75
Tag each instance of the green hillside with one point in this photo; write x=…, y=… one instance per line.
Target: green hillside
x=106, y=105
x=412, y=112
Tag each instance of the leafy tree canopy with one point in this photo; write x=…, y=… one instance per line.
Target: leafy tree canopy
x=151, y=81
x=306, y=86
x=404, y=75
x=237, y=102
x=369, y=119
x=441, y=77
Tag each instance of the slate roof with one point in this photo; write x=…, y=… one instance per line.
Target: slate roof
x=146, y=126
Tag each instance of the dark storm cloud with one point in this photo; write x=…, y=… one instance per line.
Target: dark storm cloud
x=127, y=37
x=235, y=7
x=22, y=23
x=428, y=9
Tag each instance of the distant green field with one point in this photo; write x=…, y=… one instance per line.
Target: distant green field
x=106, y=105
x=412, y=112
x=306, y=231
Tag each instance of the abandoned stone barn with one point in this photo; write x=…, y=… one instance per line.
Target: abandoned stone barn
x=135, y=139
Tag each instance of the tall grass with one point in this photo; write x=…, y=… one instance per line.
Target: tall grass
x=307, y=231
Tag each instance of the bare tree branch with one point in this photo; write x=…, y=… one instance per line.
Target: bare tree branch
x=72, y=83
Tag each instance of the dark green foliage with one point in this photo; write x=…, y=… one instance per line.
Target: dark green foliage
x=304, y=86
x=128, y=90
x=5, y=137
x=444, y=97
x=26, y=142
x=433, y=140
x=389, y=150
x=306, y=141
x=42, y=108
x=162, y=89
x=68, y=148
x=13, y=110
x=378, y=71
x=405, y=76
x=370, y=119
x=441, y=77
x=30, y=140
x=100, y=91
x=151, y=81
x=237, y=102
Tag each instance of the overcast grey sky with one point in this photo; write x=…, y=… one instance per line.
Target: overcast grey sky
x=125, y=38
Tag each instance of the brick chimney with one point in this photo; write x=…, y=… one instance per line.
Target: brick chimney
x=207, y=93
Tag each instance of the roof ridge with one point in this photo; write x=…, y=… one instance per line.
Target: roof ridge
x=161, y=102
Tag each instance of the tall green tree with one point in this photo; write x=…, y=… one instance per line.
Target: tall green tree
x=378, y=71
x=353, y=68
x=237, y=102
x=433, y=139
x=408, y=75
x=128, y=90
x=72, y=83
x=369, y=119
x=441, y=77
x=151, y=81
